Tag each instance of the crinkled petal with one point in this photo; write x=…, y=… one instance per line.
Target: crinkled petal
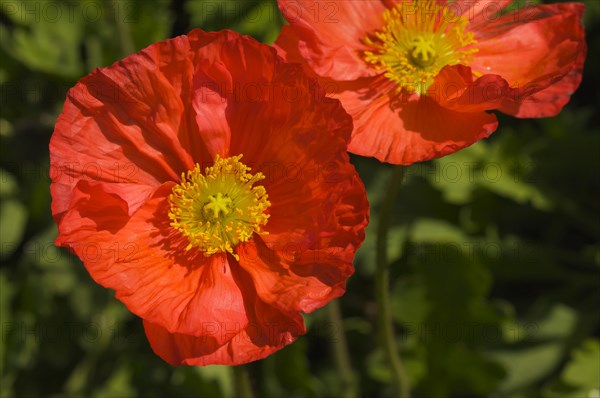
x=526, y=67
x=145, y=261
x=302, y=267
x=402, y=129
x=330, y=34
x=536, y=47
x=243, y=347
x=267, y=331
x=127, y=125
x=295, y=279
x=478, y=12
x=456, y=89
x=231, y=71
x=210, y=104
x=549, y=101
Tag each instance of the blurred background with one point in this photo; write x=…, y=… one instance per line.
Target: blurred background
x=496, y=257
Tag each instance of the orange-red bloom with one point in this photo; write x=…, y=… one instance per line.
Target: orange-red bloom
x=207, y=182
x=418, y=76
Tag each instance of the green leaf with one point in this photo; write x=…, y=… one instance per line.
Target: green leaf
x=293, y=372
x=378, y=367
x=8, y=184
x=539, y=352
x=58, y=274
x=583, y=370
x=410, y=305
x=436, y=231
x=45, y=38
x=483, y=166
x=118, y=384
x=147, y=21
x=454, y=175
x=221, y=375
x=260, y=19
x=13, y=218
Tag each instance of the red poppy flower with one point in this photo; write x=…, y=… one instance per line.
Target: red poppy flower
x=418, y=76
x=207, y=182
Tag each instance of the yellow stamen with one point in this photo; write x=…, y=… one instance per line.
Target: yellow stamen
x=220, y=208
x=417, y=41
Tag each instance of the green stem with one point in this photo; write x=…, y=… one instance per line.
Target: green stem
x=382, y=282
x=242, y=382
x=340, y=349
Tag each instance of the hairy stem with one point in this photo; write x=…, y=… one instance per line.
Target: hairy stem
x=340, y=349
x=382, y=282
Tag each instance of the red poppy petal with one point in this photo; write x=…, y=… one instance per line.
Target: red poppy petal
x=454, y=88
x=300, y=219
x=179, y=349
x=537, y=47
x=209, y=104
x=177, y=59
x=134, y=114
x=145, y=261
x=232, y=69
x=228, y=342
x=289, y=117
x=133, y=195
x=303, y=216
x=287, y=46
x=550, y=101
x=478, y=12
x=331, y=34
x=406, y=130
x=293, y=278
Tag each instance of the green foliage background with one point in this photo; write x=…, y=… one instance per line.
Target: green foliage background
x=496, y=258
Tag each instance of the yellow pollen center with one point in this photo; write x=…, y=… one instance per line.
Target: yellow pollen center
x=219, y=208
x=416, y=42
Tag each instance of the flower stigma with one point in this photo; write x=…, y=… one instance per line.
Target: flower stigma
x=220, y=208
x=416, y=42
